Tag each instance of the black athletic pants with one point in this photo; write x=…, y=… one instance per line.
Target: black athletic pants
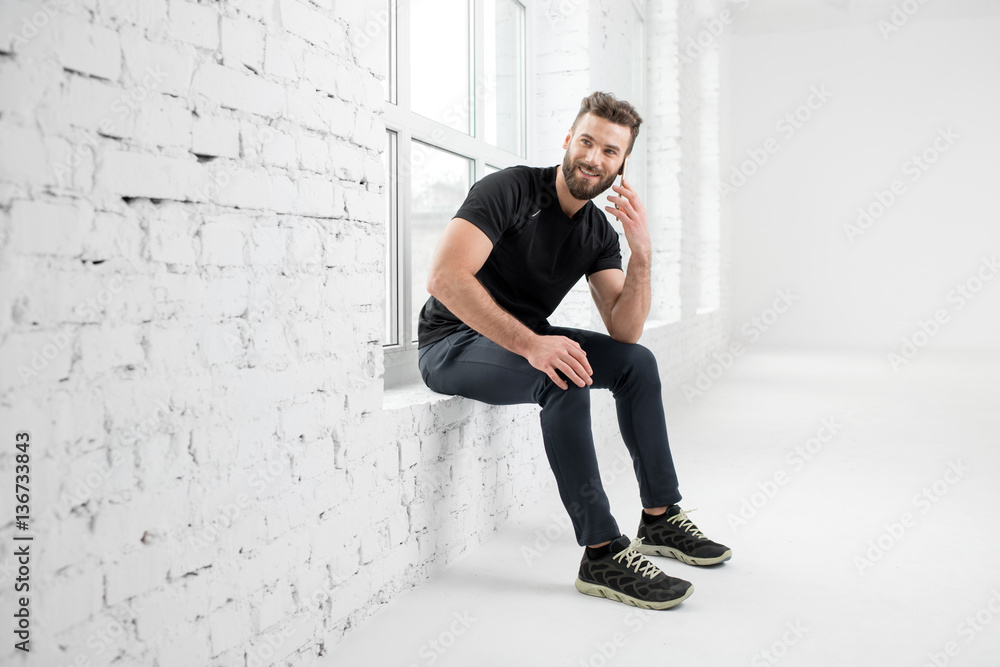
x=471, y=365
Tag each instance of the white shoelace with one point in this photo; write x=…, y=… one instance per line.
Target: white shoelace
x=682, y=520
x=636, y=560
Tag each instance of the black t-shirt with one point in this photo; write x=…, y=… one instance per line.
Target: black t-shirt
x=538, y=254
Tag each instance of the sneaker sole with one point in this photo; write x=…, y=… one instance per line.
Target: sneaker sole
x=670, y=552
x=604, y=592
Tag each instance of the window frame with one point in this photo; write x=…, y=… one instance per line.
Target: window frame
x=401, y=356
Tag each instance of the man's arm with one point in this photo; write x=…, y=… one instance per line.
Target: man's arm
x=462, y=251
x=624, y=300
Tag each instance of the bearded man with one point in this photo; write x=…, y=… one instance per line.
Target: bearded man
x=515, y=248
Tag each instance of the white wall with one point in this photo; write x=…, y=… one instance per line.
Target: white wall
x=190, y=313
x=890, y=98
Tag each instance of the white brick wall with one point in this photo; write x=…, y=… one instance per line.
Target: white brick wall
x=191, y=277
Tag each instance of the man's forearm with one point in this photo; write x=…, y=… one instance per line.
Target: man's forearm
x=632, y=308
x=466, y=297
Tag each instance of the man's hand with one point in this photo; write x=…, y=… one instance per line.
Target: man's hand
x=551, y=353
x=632, y=214
x=624, y=299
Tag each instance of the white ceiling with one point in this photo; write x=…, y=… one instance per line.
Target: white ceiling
x=759, y=16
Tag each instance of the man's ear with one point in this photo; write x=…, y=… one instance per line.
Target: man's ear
x=569, y=135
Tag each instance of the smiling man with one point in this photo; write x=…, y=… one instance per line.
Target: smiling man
x=521, y=240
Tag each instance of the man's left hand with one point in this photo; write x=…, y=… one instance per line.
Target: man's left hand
x=632, y=214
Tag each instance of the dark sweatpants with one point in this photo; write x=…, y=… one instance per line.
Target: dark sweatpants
x=471, y=365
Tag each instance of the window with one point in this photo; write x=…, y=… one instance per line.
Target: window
x=439, y=181
x=456, y=110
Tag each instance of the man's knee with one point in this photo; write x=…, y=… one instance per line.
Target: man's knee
x=641, y=363
x=573, y=395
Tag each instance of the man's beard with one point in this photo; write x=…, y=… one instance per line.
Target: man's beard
x=580, y=188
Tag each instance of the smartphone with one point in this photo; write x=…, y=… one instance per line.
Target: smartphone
x=622, y=173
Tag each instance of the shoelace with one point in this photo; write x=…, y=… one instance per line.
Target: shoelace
x=636, y=561
x=682, y=520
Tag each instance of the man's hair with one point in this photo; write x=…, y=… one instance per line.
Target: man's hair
x=610, y=108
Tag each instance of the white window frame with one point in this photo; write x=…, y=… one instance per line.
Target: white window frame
x=401, y=357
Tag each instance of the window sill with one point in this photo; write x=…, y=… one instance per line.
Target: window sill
x=412, y=394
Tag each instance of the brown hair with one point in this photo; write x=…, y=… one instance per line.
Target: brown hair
x=610, y=108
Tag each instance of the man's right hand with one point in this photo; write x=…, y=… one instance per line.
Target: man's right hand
x=551, y=353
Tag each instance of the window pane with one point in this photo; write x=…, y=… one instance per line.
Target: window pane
x=440, y=61
x=490, y=169
x=503, y=89
x=440, y=182
x=391, y=243
x=389, y=82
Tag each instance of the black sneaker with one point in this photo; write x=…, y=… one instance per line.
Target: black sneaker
x=674, y=536
x=625, y=576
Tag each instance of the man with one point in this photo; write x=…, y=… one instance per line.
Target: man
x=521, y=240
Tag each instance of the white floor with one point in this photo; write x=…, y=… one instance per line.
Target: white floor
x=841, y=561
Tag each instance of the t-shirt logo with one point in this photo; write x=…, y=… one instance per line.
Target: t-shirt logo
x=535, y=214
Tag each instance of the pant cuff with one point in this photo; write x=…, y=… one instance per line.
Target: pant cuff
x=603, y=536
x=666, y=501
